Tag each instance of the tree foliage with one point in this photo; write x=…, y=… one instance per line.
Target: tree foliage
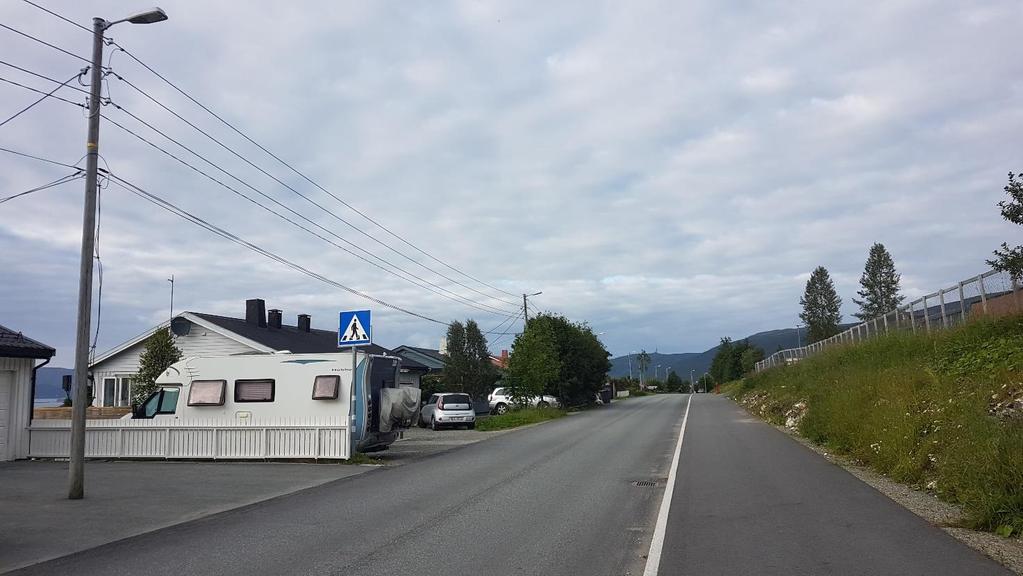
x=534, y=366
x=467, y=365
x=821, y=306
x=734, y=359
x=560, y=358
x=880, y=285
x=674, y=383
x=158, y=353
x=1010, y=259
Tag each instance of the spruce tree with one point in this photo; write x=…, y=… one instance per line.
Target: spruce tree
x=880, y=282
x=456, y=364
x=821, y=306
x=158, y=353
x=1010, y=259
x=480, y=371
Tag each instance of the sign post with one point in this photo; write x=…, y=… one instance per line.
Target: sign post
x=354, y=329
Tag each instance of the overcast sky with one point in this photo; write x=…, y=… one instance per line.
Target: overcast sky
x=669, y=172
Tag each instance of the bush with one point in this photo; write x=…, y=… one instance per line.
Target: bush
x=939, y=410
x=516, y=418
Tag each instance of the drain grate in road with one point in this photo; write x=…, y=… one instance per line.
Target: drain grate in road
x=644, y=483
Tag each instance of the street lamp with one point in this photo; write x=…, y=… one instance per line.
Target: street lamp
x=76, y=470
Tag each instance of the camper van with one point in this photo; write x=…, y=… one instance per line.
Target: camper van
x=260, y=387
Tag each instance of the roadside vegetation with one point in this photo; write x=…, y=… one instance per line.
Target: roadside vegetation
x=516, y=418
x=941, y=411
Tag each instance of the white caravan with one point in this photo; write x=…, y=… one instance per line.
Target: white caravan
x=258, y=387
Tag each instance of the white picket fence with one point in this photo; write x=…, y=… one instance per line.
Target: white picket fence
x=212, y=439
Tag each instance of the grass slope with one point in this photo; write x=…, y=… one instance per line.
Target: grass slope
x=942, y=411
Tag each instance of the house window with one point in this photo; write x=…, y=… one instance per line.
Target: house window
x=107, y=399
x=124, y=391
x=207, y=393
x=326, y=387
x=254, y=390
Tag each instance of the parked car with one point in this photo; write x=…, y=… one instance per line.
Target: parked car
x=500, y=401
x=448, y=409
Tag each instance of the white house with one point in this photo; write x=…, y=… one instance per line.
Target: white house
x=199, y=334
x=18, y=355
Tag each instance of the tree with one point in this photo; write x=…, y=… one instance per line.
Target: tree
x=467, y=365
x=1008, y=259
x=673, y=383
x=534, y=365
x=821, y=306
x=456, y=363
x=582, y=360
x=158, y=353
x=643, y=362
x=721, y=365
x=749, y=358
x=880, y=282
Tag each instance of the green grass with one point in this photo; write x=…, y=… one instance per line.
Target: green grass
x=916, y=407
x=516, y=418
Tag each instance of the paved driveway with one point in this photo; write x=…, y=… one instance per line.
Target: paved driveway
x=123, y=499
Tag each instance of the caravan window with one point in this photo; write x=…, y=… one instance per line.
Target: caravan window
x=207, y=393
x=326, y=387
x=254, y=390
x=169, y=400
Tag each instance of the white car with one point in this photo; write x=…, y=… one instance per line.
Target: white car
x=449, y=409
x=500, y=401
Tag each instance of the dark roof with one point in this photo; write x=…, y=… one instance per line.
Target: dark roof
x=435, y=354
x=286, y=337
x=16, y=345
x=411, y=364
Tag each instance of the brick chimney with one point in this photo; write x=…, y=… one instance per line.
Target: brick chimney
x=255, y=312
x=304, y=322
x=274, y=318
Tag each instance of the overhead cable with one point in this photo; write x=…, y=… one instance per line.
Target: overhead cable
x=169, y=207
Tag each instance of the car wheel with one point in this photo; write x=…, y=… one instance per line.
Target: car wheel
x=433, y=424
x=501, y=408
x=471, y=426
x=543, y=404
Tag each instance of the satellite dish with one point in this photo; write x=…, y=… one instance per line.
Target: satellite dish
x=180, y=326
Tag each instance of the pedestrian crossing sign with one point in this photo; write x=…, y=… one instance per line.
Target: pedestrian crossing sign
x=354, y=328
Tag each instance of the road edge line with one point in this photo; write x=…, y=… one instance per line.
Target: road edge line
x=653, y=557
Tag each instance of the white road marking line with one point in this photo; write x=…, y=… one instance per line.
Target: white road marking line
x=653, y=557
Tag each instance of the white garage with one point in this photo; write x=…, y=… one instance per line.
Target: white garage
x=18, y=356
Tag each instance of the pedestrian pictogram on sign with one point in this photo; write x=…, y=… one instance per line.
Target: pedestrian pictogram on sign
x=354, y=328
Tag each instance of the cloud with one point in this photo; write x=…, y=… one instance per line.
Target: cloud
x=668, y=172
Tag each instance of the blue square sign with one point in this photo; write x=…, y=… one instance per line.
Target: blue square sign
x=354, y=328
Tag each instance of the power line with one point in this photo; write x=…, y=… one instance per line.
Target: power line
x=446, y=293
x=45, y=43
x=37, y=91
x=276, y=158
x=39, y=158
x=169, y=207
x=51, y=12
x=38, y=75
x=44, y=97
x=303, y=196
x=453, y=296
x=280, y=160
x=62, y=180
x=303, y=176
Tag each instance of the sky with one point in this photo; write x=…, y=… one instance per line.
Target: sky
x=668, y=172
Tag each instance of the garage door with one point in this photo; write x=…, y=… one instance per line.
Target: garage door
x=6, y=383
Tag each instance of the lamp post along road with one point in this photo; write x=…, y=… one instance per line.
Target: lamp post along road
x=76, y=470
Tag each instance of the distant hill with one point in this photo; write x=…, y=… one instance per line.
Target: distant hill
x=48, y=382
x=770, y=341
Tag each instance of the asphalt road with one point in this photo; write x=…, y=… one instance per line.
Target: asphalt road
x=557, y=498
x=561, y=498
x=750, y=500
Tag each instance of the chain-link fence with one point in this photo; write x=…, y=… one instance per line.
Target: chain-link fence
x=993, y=293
